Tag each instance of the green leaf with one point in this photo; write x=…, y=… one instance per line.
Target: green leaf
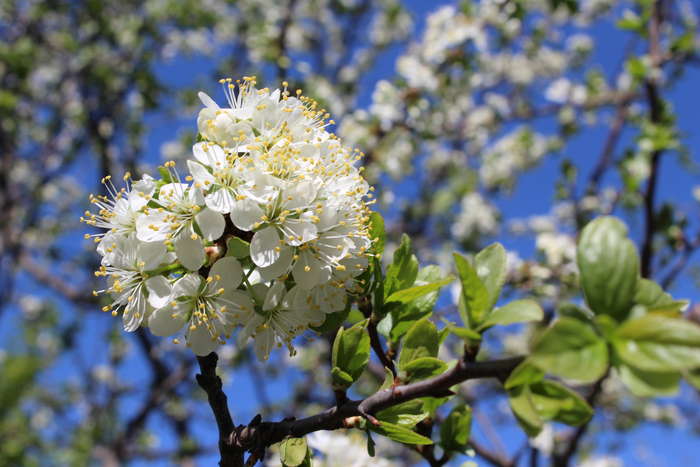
x=293, y=451
x=524, y=410
x=407, y=413
x=399, y=433
x=403, y=317
x=658, y=343
x=490, y=264
x=378, y=285
x=650, y=294
x=376, y=232
x=474, y=297
x=351, y=350
x=524, y=374
x=544, y=401
x=432, y=404
x=238, y=248
x=571, y=349
x=572, y=311
x=423, y=368
x=388, y=379
x=693, y=377
x=462, y=333
x=421, y=340
x=406, y=296
x=370, y=444
x=340, y=379
x=402, y=272
x=609, y=267
x=517, y=311
x=555, y=402
x=455, y=430
x=649, y=383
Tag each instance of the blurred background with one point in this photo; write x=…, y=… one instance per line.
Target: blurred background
x=508, y=120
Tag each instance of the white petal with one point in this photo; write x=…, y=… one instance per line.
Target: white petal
x=166, y=321
x=152, y=227
x=200, y=341
x=264, y=342
x=187, y=286
x=298, y=231
x=221, y=200
x=210, y=223
x=210, y=155
x=152, y=254
x=230, y=271
x=189, y=252
x=200, y=174
x=159, y=290
x=134, y=312
x=274, y=296
x=280, y=267
x=239, y=307
x=262, y=247
x=207, y=101
x=195, y=196
x=302, y=194
x=309, y=271
x=245, y=214
x=173, y=192
x=254, y=320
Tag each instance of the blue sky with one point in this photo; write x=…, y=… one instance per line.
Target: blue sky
x=672, y=448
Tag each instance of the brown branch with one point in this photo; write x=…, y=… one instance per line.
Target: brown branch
x=656, y=115
x=231, y=456
x=257, y=435
x=493, y=458
x=376, y=345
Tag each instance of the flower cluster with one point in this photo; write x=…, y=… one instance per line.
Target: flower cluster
x=268, y=233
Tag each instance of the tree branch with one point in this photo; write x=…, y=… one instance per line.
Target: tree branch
x=256, y=436
x=231, y=455
x=656, y=115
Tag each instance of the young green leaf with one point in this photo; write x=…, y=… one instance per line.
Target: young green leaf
x=403, y=270
x=517, y=311
x=403, y=317
x=524, y=410
x=423, y=368
x=524, y=374
x=571, y=349
x=376, y=232
x=474, y=296
x=421, y=340
x=406, y=296
x=340, y=379
x=293, y=452
x=555, y=402
x=399, y=433
x=573, y=311
x=609, y=267
x=490, y=265
x=462, y=333
x=658, y=343
x=407, y=413
x=649, y=383
x=547, y=400
x=351, y=350
x=455, y=430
